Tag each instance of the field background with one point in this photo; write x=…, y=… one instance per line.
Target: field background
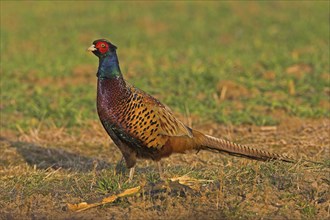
x=252, y=72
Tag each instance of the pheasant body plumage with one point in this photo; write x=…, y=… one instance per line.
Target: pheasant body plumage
x=141, y=126
x=139, y=120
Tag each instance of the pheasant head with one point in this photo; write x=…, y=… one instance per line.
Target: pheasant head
x=102, y=48
x=106, y=52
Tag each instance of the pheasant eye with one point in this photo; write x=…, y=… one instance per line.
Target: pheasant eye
x=103, y=45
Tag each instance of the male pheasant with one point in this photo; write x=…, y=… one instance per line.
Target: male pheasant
x=142, y=127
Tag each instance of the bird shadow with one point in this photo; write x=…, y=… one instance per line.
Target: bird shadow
x=51, y=157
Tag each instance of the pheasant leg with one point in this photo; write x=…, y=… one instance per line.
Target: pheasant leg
x=131, y=174
x=160, y=170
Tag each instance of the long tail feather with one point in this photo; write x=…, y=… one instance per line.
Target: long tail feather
x=222, y=145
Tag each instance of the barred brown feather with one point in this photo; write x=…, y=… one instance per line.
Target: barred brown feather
x=232, y=148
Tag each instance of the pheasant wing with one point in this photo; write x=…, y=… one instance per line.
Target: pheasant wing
x=150, y=122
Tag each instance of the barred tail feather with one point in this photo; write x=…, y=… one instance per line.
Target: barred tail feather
x=222, y=145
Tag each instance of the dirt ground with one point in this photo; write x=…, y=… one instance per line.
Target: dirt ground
x=43, y=170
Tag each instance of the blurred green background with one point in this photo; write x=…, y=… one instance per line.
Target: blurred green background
x=226, y=62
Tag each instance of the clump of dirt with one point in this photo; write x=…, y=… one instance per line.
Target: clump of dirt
x=299, y=70
x=325, y=77
x=324, y=104
x=233, y=91
x=269, y=75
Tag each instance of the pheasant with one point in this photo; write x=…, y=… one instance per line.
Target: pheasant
x=142, y=127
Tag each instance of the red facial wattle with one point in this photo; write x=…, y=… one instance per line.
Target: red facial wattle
x=103, y=47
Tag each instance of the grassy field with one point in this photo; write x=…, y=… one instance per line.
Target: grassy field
x=252, y=72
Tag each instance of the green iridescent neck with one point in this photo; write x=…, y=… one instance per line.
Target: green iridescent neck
x=109, y=66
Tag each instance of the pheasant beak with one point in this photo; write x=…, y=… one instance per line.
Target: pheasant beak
x=91, y=48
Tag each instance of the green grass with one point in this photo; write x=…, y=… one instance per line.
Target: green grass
x=176, y=58
x=241, y=63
